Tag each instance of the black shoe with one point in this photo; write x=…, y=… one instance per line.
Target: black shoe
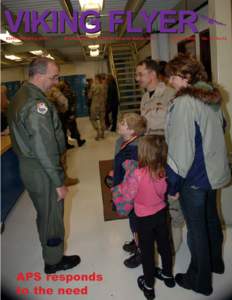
x=168, y=280
x=133, y=261
x=109, y=181
x=149, y=293
x=67, y=262
x=70, y=146
x=181, y=280
x=81, y=143
x=130, y=246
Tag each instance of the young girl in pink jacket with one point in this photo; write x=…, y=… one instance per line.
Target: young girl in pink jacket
x=146, y=187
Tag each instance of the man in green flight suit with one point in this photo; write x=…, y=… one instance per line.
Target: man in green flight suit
x=38, y=140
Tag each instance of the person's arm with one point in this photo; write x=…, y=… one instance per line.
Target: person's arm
x=39, y=124
x=181, y=142
x=161, y=186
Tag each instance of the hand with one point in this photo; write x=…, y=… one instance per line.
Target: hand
x=175, y=197
x=111, y=173
x=62, y=192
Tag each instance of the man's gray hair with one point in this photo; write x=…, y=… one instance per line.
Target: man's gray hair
x=39, y=66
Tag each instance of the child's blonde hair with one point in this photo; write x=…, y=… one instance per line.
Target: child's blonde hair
x=135, y=122
x=152, y=153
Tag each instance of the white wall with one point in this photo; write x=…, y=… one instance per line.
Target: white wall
x=89, y=68
x=164, y=46
x=221, y=53
x=175, y=38
x=13, y=74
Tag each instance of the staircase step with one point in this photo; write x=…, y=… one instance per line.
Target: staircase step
x=135, y=96
x=126, y=63
x=120, y=47
x=123, y=59
x=134, y=93
x=130, y=110
x=131, y=96
x=122, y=84
x=122, y=91
x=128, y=78
x=132, y=83
x=122, y=51
x=129, y=103
x=123, y=68
x=121, y=74
x=126, y=72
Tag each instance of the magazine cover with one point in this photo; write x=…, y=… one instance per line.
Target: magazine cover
x=116, y=151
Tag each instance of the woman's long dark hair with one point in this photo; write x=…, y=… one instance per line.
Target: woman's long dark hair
x=186, y=66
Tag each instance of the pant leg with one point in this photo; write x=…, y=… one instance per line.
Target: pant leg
x=215, y=231
x=102, y=121
x=162, y=237
x=114, y=117
x=132, y=221
x=146, y=244
x=93, y=119
x=72, y=126
x=107, y=119
x=193, y=204
x=50, y=212
x=63, y=120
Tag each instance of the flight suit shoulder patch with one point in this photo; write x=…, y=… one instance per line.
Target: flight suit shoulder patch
x=42, y=108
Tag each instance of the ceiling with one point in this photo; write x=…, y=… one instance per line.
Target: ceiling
x=74, y=49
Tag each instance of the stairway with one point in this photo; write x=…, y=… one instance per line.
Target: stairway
x=123, y=63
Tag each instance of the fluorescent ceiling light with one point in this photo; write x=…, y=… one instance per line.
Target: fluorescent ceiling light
x=91, y=5
x=91, y=26
x=13, y=57
x=94, y=53
x=10, y=39
x=49, y=56
x=93, y=35
x=93, y=47
x=37, y=52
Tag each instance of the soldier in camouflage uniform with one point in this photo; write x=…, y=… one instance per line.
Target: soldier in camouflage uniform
x=38, y=140
x=98, y=106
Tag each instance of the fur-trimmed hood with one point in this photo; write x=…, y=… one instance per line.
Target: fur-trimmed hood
x=203, y=92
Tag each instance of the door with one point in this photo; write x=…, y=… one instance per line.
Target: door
x=78, y=84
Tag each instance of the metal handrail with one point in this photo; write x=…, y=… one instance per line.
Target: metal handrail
x=113, y=69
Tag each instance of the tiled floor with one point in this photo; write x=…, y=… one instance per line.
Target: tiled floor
x=97, y=242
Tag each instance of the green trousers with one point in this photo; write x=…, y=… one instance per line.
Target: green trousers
x=50, y=212
x=97, y=119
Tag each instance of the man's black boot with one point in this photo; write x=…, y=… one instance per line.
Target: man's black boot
x=148, y=292
x=133, y=261
x=81, y=142
x=67, y=262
